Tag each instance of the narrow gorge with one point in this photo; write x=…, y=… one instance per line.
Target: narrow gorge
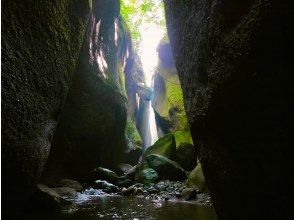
x=125, y=109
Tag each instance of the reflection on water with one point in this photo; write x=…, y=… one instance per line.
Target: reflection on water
x=117, y=207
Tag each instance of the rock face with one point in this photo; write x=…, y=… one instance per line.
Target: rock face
x=91, y=128
x=40, y=45
x=168, y=101
x=235, y=64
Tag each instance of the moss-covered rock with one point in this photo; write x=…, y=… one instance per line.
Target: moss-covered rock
x=166, y=168
x=164, y=146
x=196, y=178
x=186, y=156
x=148, y=176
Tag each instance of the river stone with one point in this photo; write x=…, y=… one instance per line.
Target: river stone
x=132, y=190
x=123, y=168
x=189, y=193
x=166, y=168
x=71, y=183
x=148, y=176
x=186, y=156
x=106, y=186
x=101, y=173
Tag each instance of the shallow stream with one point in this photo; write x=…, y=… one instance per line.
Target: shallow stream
x=92, y=206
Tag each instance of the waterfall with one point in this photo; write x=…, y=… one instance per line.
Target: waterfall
x=152, y=125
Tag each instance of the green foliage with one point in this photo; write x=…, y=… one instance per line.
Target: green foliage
x=139, y=13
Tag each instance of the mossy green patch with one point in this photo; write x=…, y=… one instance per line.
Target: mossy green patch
x=132, y=133
x=164, y=146
x=196, y=178
x=183, y=136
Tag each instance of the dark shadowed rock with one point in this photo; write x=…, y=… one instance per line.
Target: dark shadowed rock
x=123, y=168
x=71, y=183
x=91, y=128
x=186, y=156
x=40, y=47
x=101, y=173
x=235, y=63
x=105, y=186
x=166, y=168
x=65, y=191
x=46, y=198
x=189, y=193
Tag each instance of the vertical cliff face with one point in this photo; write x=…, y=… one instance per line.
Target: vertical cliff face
x=40, y=46
x=91, y=129
x=235, y=67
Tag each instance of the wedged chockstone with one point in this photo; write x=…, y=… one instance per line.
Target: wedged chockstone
x=148, y=176
x=40, y=48
x=166, y=168
x=186, y=156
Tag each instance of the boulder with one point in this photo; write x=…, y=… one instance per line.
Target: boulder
x=65, y=191
x=164, y=146
x=106, y=186
x=71, y=183
x=196, y=178
x=47, y=198
x=101, y=173
x=186, y=156
x=166, y=168
x=132, y=190
x=189, y=193
x=148, y=176
x=123, y=168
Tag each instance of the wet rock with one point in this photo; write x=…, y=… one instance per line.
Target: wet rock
x=196, y=178
x=132, y=190
x=72, y=184
x=186, y=156
x=123, y=168
x=124, y=183
x=152, y=190
x=166, y=168
x=131, y=173
x=104, y=174
x=161, y=186
x=148, y=176
x=189, y=193
x=65, y=191
x=49, y=198
x=106, y=186
x=164, y=146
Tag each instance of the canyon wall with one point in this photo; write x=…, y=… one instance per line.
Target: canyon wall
x=235, y=64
